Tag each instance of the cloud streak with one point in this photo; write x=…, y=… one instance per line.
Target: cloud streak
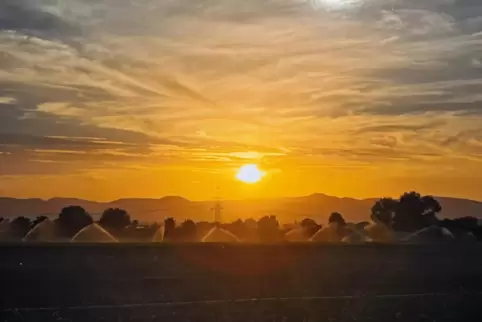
x=332, y=83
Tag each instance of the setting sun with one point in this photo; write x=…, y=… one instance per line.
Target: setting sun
x=249, y=173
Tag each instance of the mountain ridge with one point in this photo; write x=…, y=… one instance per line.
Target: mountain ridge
x=317, y=206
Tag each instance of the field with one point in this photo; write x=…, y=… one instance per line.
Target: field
x=201, y=282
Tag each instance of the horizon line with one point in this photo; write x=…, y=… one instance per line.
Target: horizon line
x=227, y=199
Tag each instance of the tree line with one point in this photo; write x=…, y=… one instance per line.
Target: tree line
x=409, y=213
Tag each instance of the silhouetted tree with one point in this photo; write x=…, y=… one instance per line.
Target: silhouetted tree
x=203, y=228
x=187, y=231
x=466, y=224
x=250, y=223
x=384, y=210
x=410, y=213
x=135, y=223
x=478, y=232
x=415, y=212
x=72, y=219
x=115, y=219
x=336, y=217
x=431, y=208
x=268, y=229
x=251, y=234
x=310, y=227
x=170, y=228
x=38, y=220
x=430, y=205
x=20, y=226
x=238, y=228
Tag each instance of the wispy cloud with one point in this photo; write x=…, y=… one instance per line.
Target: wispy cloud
x=335, y=83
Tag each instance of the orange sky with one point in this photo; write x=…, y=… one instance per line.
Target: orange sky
x=200, y=184
x=348, y=98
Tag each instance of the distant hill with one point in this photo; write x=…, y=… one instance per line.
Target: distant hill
x=317, y=206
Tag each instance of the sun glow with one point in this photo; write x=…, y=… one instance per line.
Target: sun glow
x=250, y=173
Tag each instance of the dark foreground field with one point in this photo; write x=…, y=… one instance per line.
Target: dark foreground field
x=240, y=283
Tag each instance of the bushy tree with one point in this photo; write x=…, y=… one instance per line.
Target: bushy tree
x=384, y=210
x=202, y=228
x=38, y=220
x=268, y=229
x=410, y=213
x=310, y=227
x=251, y=224
x=251, y=234
x=238, y=228
x=187, y=231
x=115, y=219
x=467, y=224
x=20, y=226
x=478, y=232
x=72, y=219
x=336, y=217
x=415, y=212
x=170, y=228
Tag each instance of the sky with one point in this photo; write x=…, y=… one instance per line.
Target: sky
x=104, y=99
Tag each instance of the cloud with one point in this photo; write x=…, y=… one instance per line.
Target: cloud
x=282, y=81
x=33, y=17
x=44, y=142
x=6, y=100
x=389, y=128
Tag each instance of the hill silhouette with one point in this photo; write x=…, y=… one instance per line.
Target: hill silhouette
x=317, y=206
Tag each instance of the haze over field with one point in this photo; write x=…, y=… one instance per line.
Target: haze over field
x=317, y=206
x=361, y=98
